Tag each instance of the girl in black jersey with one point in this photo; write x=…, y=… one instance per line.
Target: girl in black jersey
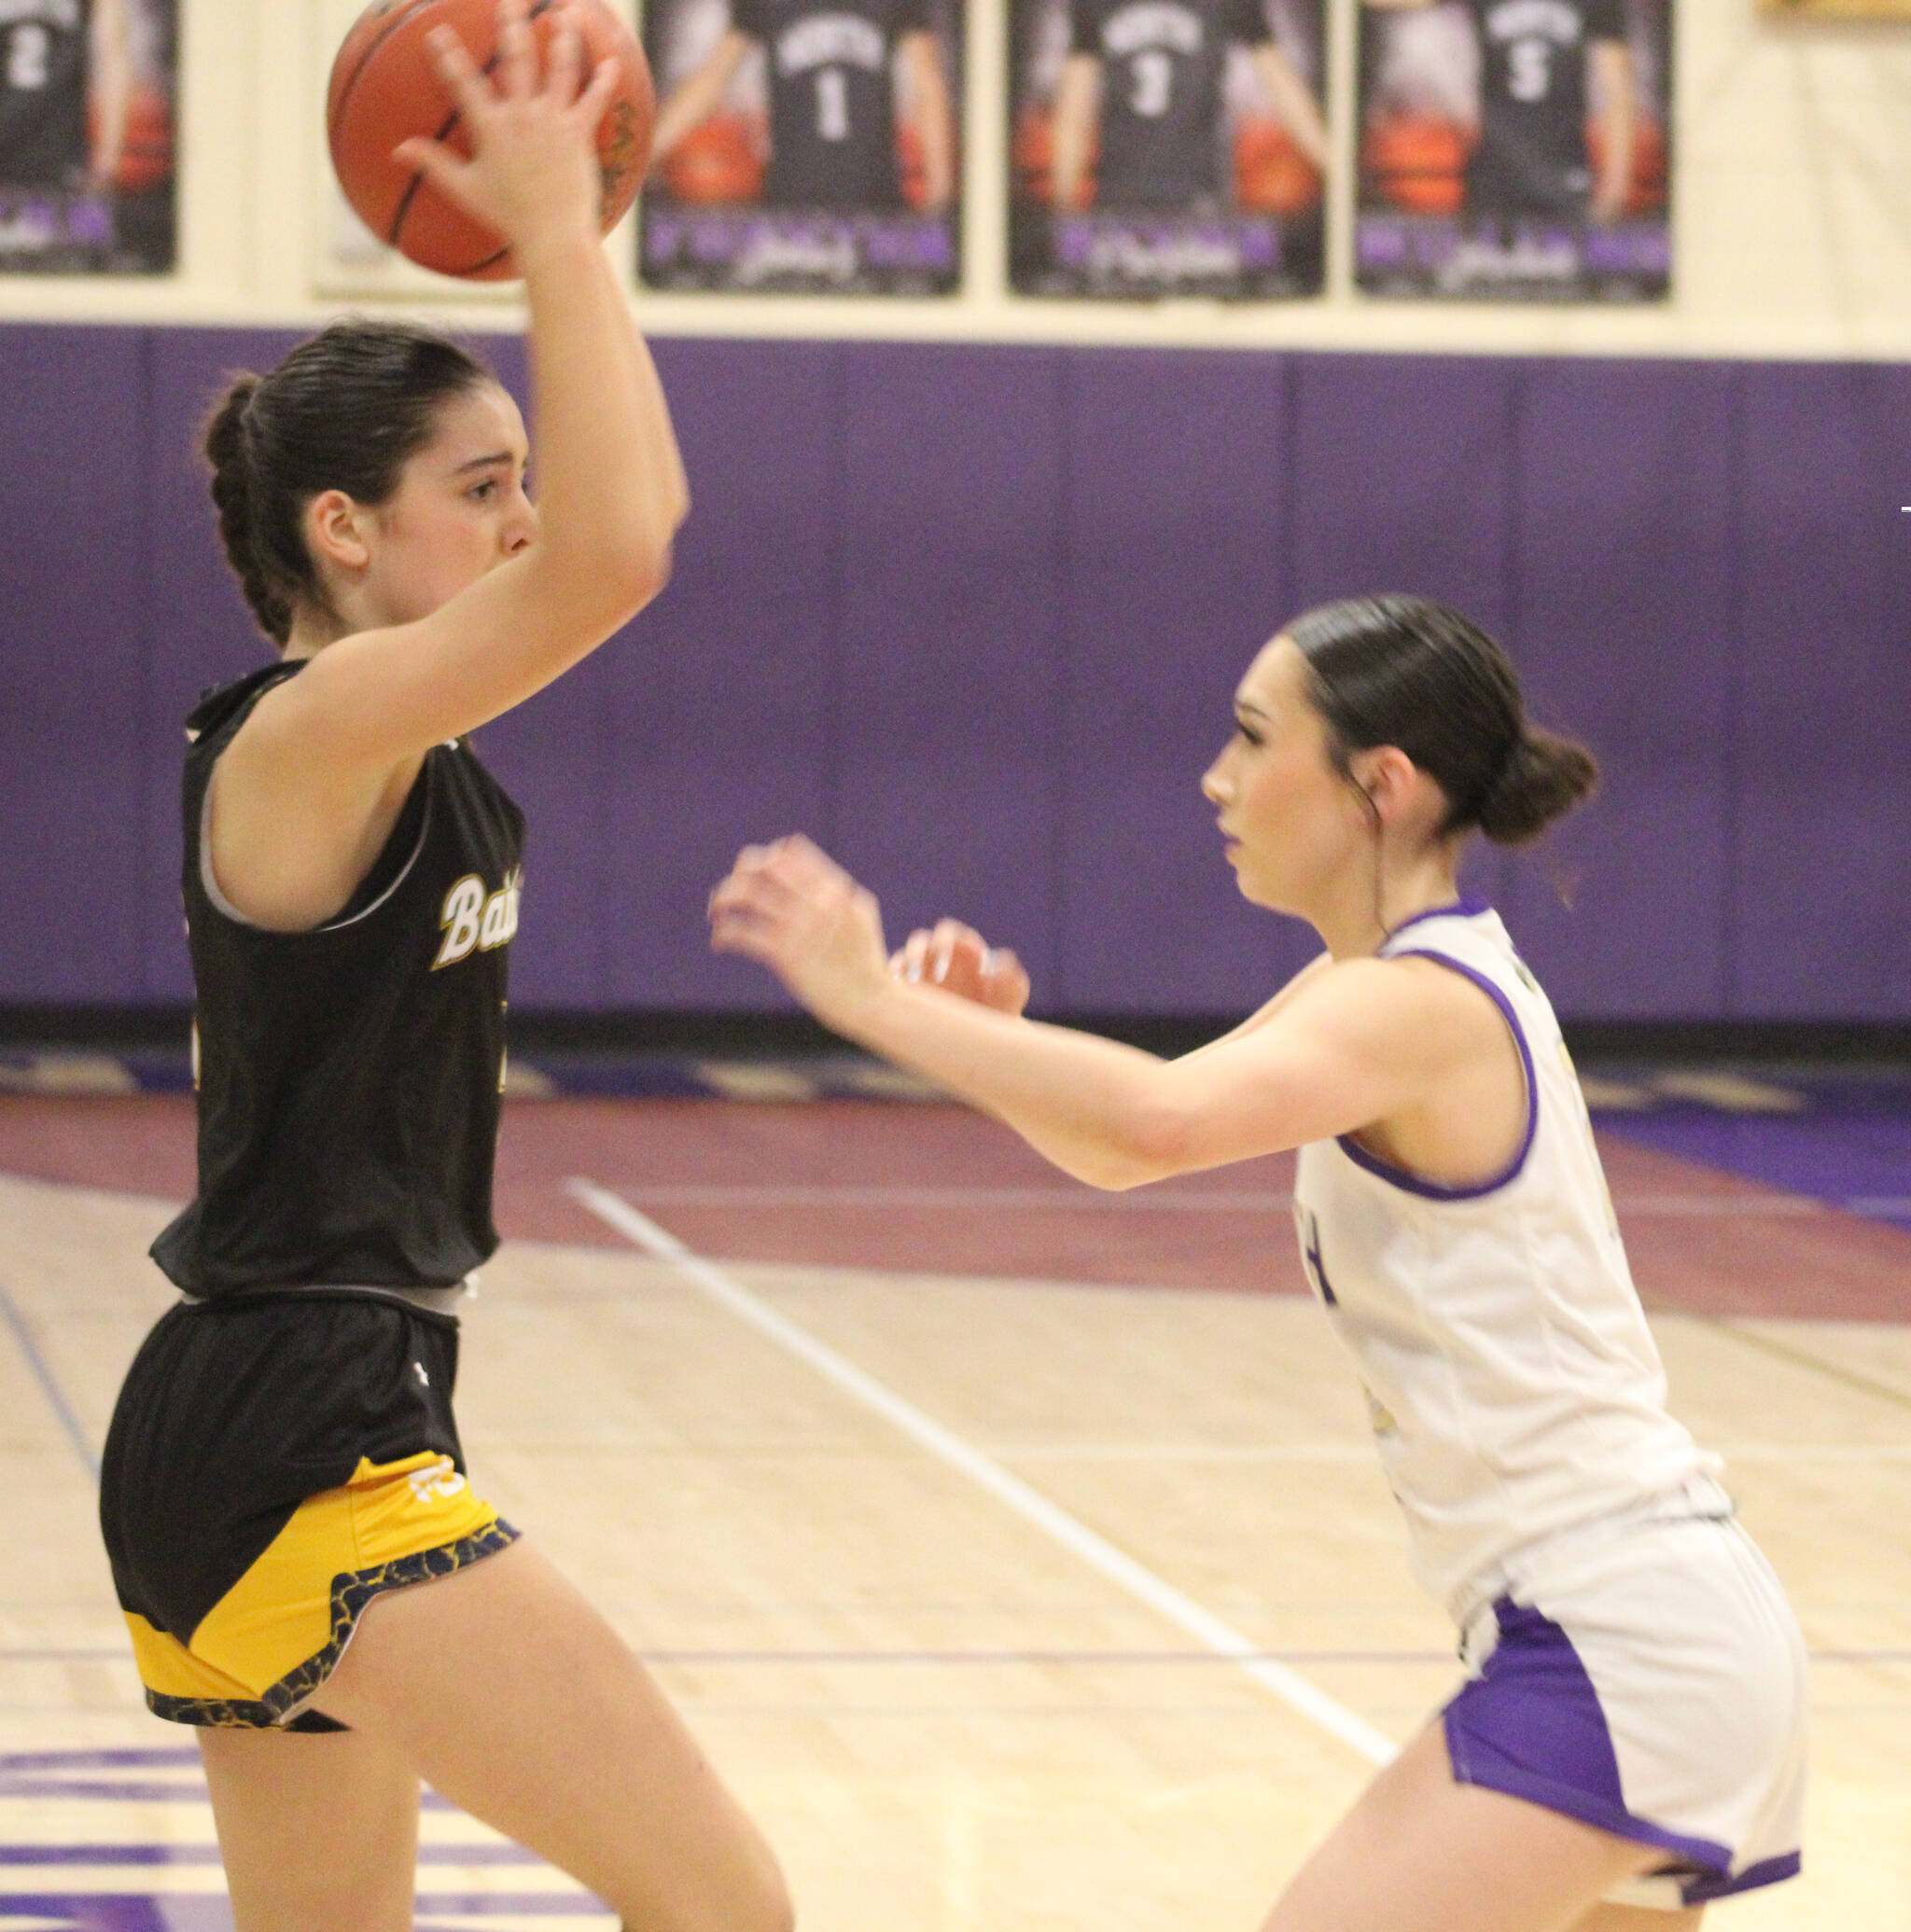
x=1541, y=63
x=283, y=1467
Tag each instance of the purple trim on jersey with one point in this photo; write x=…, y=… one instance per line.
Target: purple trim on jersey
x=1460, y=909
x=1431, y=1190
x=1530, y=1725
x=1767, y=1871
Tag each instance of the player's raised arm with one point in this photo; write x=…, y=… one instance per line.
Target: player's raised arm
x=506, y=596
x=612, y=490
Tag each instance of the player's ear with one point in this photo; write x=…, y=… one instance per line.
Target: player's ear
x=1386, y=775
x=335, y=531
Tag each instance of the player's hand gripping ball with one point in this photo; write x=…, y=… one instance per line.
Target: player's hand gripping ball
x=385, y=90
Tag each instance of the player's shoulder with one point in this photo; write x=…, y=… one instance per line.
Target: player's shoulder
x=223, y=706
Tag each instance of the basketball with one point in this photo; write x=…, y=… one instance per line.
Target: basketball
x=385, y=90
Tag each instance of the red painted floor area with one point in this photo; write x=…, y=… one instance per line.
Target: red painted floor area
x=944, y=1190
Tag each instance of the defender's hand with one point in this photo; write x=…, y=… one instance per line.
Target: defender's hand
x=791, y=908
x=959, y=960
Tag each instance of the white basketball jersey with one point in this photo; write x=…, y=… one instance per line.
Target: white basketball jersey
x=1513, y=1384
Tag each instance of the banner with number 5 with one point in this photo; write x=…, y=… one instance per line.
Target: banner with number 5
x=1515, y=150
x=1167, y=147
x=805, y=146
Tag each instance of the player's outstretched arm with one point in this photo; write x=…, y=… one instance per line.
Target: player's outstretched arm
x=694, y=98
x=1355, y=1044
x=612, y=483
x=1078, y=106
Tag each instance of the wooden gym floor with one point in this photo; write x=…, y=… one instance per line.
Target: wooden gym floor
x=1016, y=1551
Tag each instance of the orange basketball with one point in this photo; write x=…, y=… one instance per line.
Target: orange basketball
x=1272, y=176
x=1417, y=161
x=385, y=90
x=721, y=160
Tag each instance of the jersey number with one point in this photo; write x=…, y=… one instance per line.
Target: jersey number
x=1529, y=70
x=27, y=50
x=832, y=105
x=1154, y=76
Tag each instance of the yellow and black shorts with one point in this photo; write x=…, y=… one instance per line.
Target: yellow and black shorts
x=275, y=1463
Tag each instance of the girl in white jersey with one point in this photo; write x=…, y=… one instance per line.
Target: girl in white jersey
x=1629, y=1741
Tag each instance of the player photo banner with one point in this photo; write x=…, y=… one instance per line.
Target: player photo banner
x=1515, y=150
x=1167, y=147
x=804, y=146
x=87, y=91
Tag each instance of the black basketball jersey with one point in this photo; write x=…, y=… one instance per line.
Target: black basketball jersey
x=1162, y=67
x=1533, y=102
x=832, y=108
x=349, y=1077
x=43, y=78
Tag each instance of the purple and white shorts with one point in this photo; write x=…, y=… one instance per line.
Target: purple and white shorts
x=1645, y=1676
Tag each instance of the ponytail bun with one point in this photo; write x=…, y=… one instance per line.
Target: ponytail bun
x=228, y=448
x=1543, y=778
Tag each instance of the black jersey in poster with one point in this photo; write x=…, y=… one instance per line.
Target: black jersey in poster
x=349, y=1077
x=832, y=114
x=1532, y=155
x=43, y=81
x=1162, y=67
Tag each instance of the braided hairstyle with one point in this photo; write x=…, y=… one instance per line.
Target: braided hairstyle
x=345, y=410
x=1411, y=673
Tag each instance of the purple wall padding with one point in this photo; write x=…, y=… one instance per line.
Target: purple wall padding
x=1822, y=878
x=1176, y=542
x=1621, y=610
x=73, y=660
x=974, y=616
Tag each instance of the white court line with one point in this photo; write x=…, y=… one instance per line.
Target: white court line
x=1178, y=1201
x=1029, y=1503
x=1184, y=1200
x=1363, y=1453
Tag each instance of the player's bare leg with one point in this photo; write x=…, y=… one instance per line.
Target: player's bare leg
x=514, y=1699
x=317, y=1830
x=1420, y=1852
x=1639, y=1918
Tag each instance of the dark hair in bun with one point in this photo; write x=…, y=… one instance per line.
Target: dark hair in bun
x=1408, y=671
x=345, y=410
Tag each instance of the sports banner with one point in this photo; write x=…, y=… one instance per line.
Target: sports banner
x=1167, y=147
x=1515, y=150
x=804, y=146
x=87, y=91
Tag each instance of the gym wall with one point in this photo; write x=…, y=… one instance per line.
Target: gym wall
x=968, y=603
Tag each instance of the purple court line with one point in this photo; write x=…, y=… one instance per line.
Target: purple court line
x=133, y=1911
x=49, y=1387
x=11, y=1766
x=209, y=1854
